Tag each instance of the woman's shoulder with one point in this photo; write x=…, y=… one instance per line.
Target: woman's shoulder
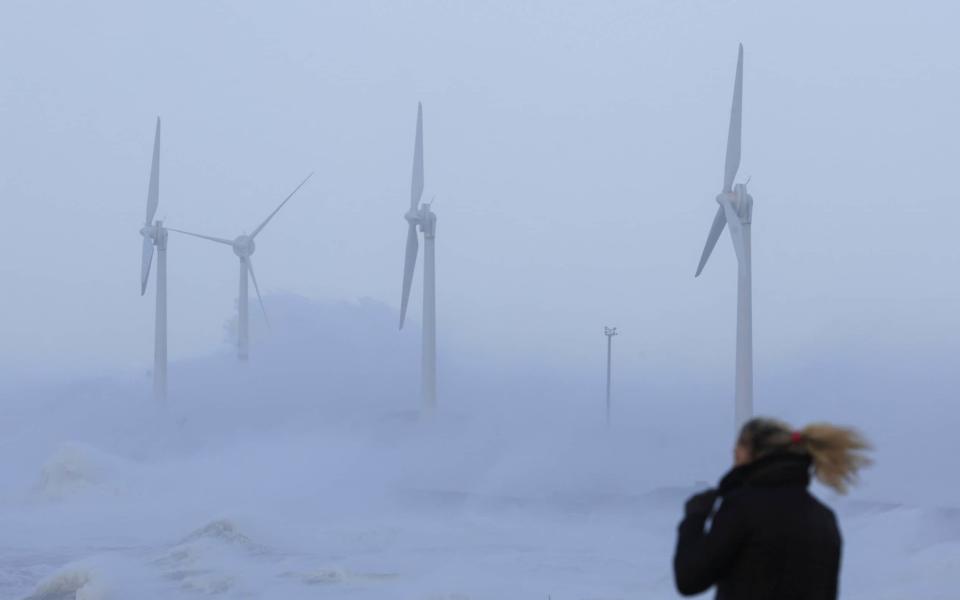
x=822, y=507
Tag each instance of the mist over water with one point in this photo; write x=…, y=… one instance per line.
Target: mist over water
x=311, y=465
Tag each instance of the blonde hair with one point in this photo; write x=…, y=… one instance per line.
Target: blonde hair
x=837, y=453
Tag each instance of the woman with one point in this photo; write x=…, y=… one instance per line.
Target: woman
x=770, y=539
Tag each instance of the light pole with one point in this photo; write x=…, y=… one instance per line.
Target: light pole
x=609, y=332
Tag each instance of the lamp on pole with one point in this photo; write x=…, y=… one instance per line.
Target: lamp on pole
x=609, y=332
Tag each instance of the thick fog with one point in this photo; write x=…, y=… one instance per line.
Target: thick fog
x=573, y=151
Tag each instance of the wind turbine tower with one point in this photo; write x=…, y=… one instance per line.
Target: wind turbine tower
x=155, y=237
x=421, y=216
x=735, y=212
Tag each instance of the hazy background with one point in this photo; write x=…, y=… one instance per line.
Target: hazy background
x=574, y=148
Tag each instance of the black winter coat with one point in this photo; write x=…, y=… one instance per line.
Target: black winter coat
x=770, y=539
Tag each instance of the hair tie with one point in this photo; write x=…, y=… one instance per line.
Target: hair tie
x=796, y=437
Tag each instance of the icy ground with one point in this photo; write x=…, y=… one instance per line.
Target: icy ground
x=261, y=482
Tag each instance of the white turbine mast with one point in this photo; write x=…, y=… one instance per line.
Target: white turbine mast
x=420, y=216
x=244, y=247
x=736, y=213
x=155, y=236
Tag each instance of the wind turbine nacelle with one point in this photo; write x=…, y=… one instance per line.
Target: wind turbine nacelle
x=742, y=202
x=244, y=246
x=428, y=221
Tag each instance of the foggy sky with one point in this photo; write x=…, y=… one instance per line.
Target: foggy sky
x=574, y=148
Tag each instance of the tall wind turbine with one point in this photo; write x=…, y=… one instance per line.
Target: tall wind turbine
x=421, y=216
x=736, y=212
x=244, y=247
x=155, y=236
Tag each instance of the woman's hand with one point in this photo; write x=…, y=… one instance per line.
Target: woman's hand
x=701, y=504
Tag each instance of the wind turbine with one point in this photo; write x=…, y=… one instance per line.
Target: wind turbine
x=244, y=247
x=736, y=213
x=155, y=236
x=420, y=216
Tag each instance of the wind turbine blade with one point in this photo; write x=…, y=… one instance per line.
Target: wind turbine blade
x=409, y=263
x=257, y=288
x=416, y=182
x=733, y=135
x=277, y=209
x=153, y=190
x=736, y=227
x=200, y=235
x=146, y=261
x=719, y=220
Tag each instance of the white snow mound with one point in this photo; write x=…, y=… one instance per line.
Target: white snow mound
x=75, y=583
x=76, y=467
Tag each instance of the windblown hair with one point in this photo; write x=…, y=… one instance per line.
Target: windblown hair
x=838, y=453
